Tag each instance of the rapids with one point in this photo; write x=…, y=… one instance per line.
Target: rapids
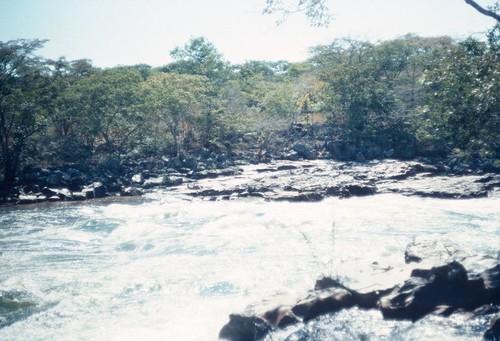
x=163, y=267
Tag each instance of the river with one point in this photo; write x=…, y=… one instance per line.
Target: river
x=165, y=268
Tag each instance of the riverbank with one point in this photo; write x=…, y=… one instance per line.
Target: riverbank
x=301, y=163
x=301, y=180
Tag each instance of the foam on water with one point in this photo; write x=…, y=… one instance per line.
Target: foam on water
x=166, y=268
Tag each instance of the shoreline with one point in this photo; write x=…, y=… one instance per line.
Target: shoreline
x=277, y=180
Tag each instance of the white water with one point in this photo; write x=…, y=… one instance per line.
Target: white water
x=169, y=269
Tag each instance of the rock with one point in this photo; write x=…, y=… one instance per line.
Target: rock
x=174, y=181
x=138, y=179
x=360, y=157
x=131, y=191
x=154, y=182
x=493, y=331
x=99, y=189
x=426, y=290
x=89, y=192
x=442, y=290
x=322, y=302
x=359, y=190
x=301, y=149
x=27, y=199
x=244, y=328
x=190, y=162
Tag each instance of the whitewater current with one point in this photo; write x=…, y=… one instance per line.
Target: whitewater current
x=165, y=268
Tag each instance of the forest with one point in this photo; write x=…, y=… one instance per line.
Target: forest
x=408, y=97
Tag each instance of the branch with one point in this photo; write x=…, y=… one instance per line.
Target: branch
x=482, y=10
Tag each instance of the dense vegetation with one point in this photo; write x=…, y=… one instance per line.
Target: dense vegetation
x=410, y=96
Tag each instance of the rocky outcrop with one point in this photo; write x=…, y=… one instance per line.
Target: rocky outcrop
x=443, y=289
x=314, y=180
x=304, y=180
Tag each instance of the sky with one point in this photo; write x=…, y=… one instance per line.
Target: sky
x=127, y=32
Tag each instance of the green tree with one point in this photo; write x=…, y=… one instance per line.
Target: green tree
x=176, y=102
x=23, y=100
x=462, y=97
x=199, y=57
x=108, y=106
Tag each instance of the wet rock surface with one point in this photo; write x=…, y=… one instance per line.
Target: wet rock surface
x=439, y=284
x=317, y=179
x=303, y=180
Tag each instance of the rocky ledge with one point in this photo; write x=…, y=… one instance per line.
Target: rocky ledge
x=302, y=180
x=317, y=179
x=442, y=281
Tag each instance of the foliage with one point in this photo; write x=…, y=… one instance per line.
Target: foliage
x=23, y=100
x=199, y=57
x=462, y=97
x=413, y=95
x=177, y=102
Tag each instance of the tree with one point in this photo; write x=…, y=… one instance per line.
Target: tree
x=176, y=101
x=318, y=13
x=199, y=57
x=23, y=98
x=108, y=108
x=462, y=97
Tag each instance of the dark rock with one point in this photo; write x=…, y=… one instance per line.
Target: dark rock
x=174, y=181
x=286, y=167
x=322, y=302
x=190, y=162
x=493, y=331
x=244, y=328
x=99, y=189
x=360, y=190
x=301, y=149
x=426, y=290
x=360, y=157
x=89, y=192
x=131, y=192
x=302, y=197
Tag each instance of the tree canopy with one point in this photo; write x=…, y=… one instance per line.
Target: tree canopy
x=405, y=97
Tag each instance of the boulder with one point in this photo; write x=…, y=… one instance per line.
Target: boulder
x=244, y=328
x=426, y=290
x=493, y=331
x=322, y=302
x=99, y=189
x=301, y=149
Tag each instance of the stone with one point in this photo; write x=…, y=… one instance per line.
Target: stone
x=426, y=290
x=137, y=179
x=99, y=189
x=131, y=192
x=493, y=331
x=301, y=149
x=322, y=302
x=244, y=328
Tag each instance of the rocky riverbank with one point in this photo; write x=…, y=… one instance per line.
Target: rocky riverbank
x=442, y=281
x=302, y=180
x=301, y=163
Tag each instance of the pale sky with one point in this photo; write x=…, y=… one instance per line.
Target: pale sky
x=126, y=32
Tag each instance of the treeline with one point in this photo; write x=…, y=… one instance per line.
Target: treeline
x=412, y=95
